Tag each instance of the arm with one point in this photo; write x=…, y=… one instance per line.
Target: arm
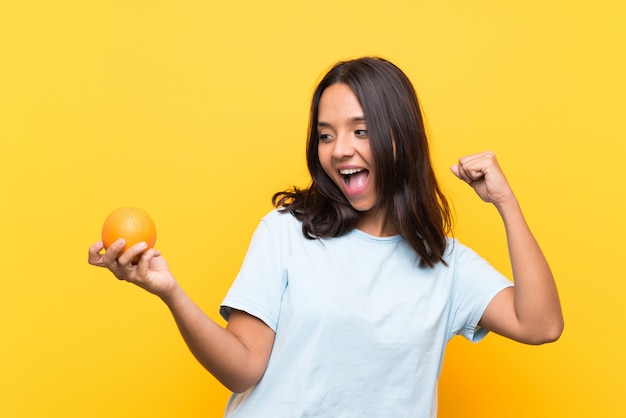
x=237, y=356
x=529, y=312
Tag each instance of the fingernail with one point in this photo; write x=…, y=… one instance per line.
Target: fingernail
x=142, y=245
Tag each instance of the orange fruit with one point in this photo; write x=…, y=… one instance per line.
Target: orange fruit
x=132, y=224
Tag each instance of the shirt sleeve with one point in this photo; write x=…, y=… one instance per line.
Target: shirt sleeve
x=475, y=285
x=260, y=284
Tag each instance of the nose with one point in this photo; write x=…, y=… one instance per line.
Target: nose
x=343, y=146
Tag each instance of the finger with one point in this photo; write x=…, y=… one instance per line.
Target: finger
x=474, y=172
x=113, y=252
x=144, y=261
x=132, y=253
x=461, y=173
x=475, y=167
x=485, y=166
x=479, y=158
x=95, y=258
x=466, y=170
x=455, y=170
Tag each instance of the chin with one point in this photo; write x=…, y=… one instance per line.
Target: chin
x=362, y=207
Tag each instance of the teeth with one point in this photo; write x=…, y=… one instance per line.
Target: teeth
x=350, y=171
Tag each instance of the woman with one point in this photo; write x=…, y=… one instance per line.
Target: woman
x=351, y=288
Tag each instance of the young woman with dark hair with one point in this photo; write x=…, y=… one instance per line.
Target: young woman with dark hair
x=405, y=182
x=351, y=288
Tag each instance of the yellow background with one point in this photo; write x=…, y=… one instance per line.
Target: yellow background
x=196, y=111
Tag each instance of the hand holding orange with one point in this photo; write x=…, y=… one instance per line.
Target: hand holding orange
x=132, y=224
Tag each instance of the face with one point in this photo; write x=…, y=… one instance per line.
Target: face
x=344, y=146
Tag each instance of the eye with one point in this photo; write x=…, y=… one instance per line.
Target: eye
x=324, y=137
x=361, y=133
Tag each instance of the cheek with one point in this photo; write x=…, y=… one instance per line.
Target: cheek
x=366, y=153
x=324, y=159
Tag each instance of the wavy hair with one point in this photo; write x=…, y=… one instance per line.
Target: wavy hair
x=405, y=180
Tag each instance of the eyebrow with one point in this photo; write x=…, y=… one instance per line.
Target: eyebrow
x=356, y=119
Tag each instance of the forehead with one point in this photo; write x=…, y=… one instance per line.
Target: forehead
x=338, y=102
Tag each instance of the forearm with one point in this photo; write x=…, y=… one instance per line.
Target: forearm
x=224, y=355
x=537, y=304
x=237, y=356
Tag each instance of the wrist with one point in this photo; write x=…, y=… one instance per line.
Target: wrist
x=508, y=207
x=172, y=293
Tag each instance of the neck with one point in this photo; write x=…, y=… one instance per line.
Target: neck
x=376, y=223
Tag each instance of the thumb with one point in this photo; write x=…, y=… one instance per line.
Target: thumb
x=94, y=253
x=461, y=175
x=455, y=169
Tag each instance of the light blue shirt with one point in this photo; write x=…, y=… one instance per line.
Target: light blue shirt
x=360, y=328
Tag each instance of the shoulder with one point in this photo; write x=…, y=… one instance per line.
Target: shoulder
x=453, y=248
x=280, y=218
x=458, y=255
x=280, y=223
x=469, y=267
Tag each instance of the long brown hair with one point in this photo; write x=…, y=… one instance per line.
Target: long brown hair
x=405, y=180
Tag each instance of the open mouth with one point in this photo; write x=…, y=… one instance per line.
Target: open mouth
x=354, y=178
